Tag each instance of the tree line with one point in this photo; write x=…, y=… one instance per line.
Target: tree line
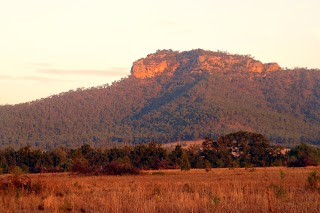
x=240, y=149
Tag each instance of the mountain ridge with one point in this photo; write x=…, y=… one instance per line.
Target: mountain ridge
x=190, y=97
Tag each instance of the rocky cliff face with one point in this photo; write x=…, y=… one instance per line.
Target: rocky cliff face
x=142, y=69
x=154, y=64
x=168, y=61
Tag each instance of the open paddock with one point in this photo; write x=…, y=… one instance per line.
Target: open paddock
x=274, y=189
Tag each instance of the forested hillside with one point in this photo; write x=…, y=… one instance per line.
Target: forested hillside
x=173, y=96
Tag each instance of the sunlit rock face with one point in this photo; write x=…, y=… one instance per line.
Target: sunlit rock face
x=168, y=61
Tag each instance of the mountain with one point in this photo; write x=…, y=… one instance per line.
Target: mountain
x=171, y=96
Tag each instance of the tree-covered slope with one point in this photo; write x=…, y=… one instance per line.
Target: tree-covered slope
x=175, y=96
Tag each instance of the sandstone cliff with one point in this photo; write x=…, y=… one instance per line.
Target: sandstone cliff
x=154, y=64
x=168, y=61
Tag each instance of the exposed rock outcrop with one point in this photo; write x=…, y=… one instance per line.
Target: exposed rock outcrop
x=168, y=61
x=270, y=67
x=141, y=69
x=154, y=64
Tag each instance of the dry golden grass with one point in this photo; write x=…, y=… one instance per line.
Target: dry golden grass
x=220, y=190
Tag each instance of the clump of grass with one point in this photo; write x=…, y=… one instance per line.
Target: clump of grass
x=156, y=191
x=282, y=174
x=66, y=207
x=38, y=187
x=188, y=188
x=312, y=181
x=215, y=200
x=41, y=207
x=59, y=194
x=278, y=190
x=77, y=185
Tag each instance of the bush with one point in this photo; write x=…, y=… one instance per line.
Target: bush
x=304, y=155
x=81, y=166
x=302, y=162
x=117, y=168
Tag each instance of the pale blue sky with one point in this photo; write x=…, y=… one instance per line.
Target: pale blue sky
x=52, y=46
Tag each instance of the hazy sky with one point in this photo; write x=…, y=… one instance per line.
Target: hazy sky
x=52, y=46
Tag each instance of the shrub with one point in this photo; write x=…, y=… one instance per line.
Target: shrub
x=303, y=161
x=312, y=181
x=118, y=168
x=81, y=166
x=304, y=155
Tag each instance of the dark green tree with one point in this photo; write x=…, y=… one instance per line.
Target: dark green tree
x=185, y=164
x=304, y=155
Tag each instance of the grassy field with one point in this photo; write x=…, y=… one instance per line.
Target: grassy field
x=275, y=189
